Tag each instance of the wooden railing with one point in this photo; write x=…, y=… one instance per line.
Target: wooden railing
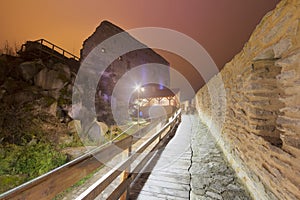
x=49, y=185
x=47, y=47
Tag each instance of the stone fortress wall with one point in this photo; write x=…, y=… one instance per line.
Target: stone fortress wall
x=260, y=135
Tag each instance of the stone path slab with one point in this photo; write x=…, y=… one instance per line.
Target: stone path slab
x=211, y=176
x=191, y=166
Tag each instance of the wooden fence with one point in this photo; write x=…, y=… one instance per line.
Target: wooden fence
x=42, y=47
x=49, y=185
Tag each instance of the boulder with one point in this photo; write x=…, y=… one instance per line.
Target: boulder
x=64, y=69
x=74, y=126
x=52, y=108
x=50, y=79
x=103, y=127
x=29, y=69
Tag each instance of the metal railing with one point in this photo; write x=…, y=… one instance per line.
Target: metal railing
x=54, y=182
x=48, y=48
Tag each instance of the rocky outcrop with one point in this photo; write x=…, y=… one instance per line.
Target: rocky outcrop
x=260, y=133
x=37, y=88
x=49, y=80
x=53, y=79
x=29, y=69
x=35, y=121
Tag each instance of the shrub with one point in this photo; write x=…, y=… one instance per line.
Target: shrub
x=30, y=160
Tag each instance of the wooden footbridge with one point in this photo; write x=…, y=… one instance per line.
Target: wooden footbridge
x=140, y=152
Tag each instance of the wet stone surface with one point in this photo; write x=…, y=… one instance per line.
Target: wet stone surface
x=211, y=177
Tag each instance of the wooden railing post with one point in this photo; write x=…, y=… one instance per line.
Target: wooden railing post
x=65, y=176
x=125, y=174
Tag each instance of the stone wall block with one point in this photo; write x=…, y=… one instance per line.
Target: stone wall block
x=261, y=133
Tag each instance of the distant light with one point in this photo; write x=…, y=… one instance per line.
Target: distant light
x=137, y=87
x=161, y=87
x=142, y=89
x=102, y=50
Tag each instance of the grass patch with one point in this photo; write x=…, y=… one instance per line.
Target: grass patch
x=10, y=181
x=19, y=164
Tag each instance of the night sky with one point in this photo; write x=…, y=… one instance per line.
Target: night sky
x=221, y=26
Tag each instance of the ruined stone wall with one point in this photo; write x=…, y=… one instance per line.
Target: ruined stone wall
x=144, y=58
x=261, y=106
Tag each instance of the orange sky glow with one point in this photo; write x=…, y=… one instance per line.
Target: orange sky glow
x=220, y=26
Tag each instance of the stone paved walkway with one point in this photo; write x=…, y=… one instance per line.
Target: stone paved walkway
x=212, y=178
x=190, y=167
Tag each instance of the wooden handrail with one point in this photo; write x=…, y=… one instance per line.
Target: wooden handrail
x=50, y=184
x=93, y=191
x=50, y=45
x=64, y=51
x=53, y=47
